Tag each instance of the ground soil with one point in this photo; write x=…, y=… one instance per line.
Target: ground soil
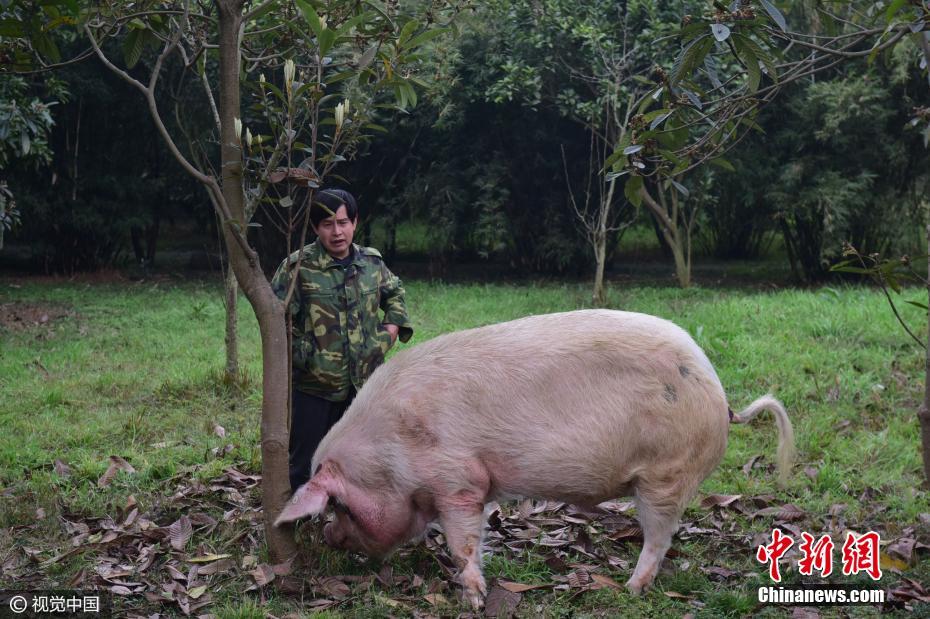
x=22, y=316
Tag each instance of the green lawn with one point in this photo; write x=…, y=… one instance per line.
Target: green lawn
x=134, y=370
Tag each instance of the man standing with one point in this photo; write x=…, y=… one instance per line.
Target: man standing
x=338, y=337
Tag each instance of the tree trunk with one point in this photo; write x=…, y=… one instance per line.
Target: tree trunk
x=682, y=268
x=600, y=257
x=674, y=239
x=269, y=310
x=232, y=333
x=924, y=413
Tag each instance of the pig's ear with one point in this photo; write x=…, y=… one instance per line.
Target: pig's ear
x=309, y=500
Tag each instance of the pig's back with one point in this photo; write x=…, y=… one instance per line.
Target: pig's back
x=570, y=406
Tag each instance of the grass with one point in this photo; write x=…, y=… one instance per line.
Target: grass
x=134, y=371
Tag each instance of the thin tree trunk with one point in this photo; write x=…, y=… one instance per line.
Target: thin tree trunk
x=600, y=257
x=682, y=268
x=924, y=413
x=269, y=310
x=672, y=235
x=232, y=334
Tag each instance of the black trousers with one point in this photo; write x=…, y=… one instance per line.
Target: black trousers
x=311, y=419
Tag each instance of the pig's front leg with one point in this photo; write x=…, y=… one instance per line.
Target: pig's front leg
x=463, y=524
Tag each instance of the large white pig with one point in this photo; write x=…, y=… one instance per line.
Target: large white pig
x=580, y=407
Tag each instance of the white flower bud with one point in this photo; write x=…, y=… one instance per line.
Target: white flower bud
x=340, y=115
x=238, y=125
x=289, y=71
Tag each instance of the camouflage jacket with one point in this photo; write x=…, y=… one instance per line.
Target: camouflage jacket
x=338, y=336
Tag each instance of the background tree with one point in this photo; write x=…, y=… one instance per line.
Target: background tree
x=25, y=123
x=752, y=34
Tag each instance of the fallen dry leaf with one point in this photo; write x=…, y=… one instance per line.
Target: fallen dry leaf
x=436, y=599
x=218, y=567
x=116, y=464
x=180, y=533
x=335, y=587
x=605, y=581
x=784, y=513
x=517, y=587
x=720, y=500
x=501, y=603
x=750, y=464
x=262, y=574
x=62, y=469
x=209, y=558
x=902, y=548
x=888, y=562
x=579, y=579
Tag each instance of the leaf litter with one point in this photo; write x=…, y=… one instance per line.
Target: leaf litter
x=204, y=539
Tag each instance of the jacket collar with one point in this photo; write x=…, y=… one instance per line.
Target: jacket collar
x=321, y=259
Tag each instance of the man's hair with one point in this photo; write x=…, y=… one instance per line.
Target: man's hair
x=327, y=201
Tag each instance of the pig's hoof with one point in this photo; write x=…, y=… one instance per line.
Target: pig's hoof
x=636, y=587
x=475, y=587
x=475, y=598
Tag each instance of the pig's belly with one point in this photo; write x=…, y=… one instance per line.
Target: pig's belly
x=601, y=452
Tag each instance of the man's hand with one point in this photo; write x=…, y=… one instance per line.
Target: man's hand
x=393, y=330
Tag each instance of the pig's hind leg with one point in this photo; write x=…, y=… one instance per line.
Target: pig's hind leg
x=659, y=508
x=462, y=519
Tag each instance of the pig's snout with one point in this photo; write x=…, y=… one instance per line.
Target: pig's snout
x=335, y=537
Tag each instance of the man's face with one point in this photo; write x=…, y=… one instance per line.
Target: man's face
x=336, y=232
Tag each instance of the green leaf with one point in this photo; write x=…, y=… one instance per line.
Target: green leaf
x=893, y=9
x=343, y=75
x=670, y=156
x=375, y=127
x=311, y=17
x=369, y=54
x=675, y=136
x=46, y=46
x=775, y=14
x=691, y=31
x=411, y=94
x=720, y=162
x=850, y=269
x=761, y=54
x=353, y=22
x=613, y=158
x=423, y=37
x=753, y=124
x=326, y=39
x=264, y=10
x=631, y=190
x=407, y=31
x=691, y=57
x=681, y=188
x=11, y=28
x=922, y=306
x=749, y=58
x=132, y=47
